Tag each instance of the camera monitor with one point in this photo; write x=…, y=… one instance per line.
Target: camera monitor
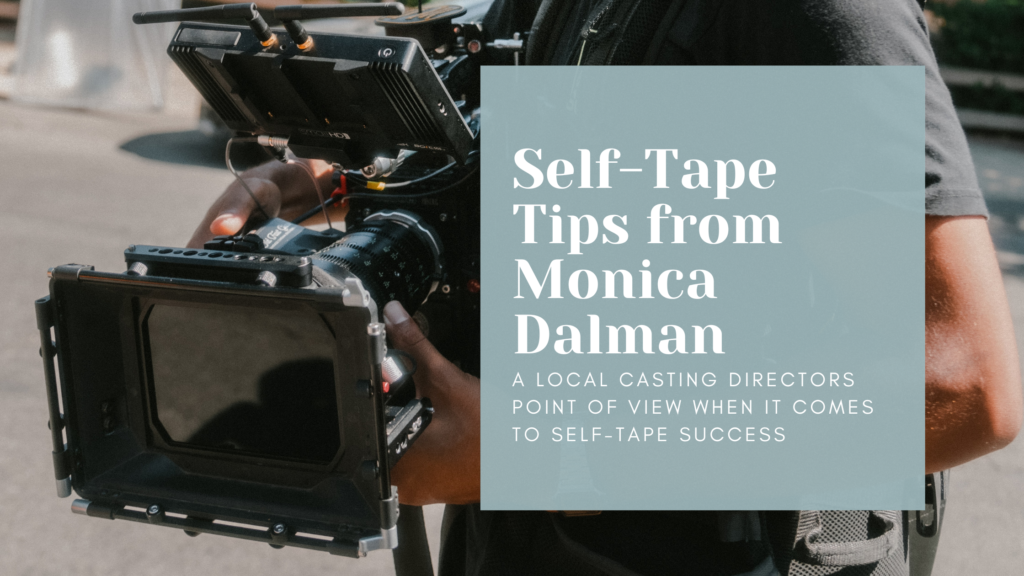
x=349, y=99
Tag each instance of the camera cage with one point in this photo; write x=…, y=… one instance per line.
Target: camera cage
x=117, y=460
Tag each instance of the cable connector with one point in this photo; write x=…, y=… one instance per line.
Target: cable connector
x=278, y=144
x=272, y=141
x=341, y=190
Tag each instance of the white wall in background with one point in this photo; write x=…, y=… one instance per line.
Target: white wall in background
x=89, y=54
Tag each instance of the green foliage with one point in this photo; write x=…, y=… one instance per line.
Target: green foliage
x=994, y=99
x=987, y=35
x=984, y=35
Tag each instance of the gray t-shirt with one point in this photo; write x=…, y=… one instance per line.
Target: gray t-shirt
x=709, y=32
x=837, y=32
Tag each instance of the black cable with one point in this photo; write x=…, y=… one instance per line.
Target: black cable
x=319, y=193
x=317, y=209
x=417, y=195
x=420, y=179
x=335, y=199
x=359, y=178
x=227, y=161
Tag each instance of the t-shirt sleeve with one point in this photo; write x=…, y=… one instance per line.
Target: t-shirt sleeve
x=839, y=32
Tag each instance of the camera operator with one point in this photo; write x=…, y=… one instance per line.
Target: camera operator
x=973, y=394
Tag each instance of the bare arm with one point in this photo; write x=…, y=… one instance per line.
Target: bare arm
x=972, y=375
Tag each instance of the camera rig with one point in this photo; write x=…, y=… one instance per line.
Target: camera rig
x=246, y=389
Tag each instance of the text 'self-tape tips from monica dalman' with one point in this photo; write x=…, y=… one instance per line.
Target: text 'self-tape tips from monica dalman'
x=703, y=288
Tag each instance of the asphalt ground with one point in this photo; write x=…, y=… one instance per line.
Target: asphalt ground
x=80, y=187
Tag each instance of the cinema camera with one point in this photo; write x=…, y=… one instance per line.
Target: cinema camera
x=245, y=389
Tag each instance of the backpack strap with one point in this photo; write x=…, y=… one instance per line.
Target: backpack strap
x=551, y=16
x=616, y=32
x=812, y=549
x=658, y=40
x=822, y=542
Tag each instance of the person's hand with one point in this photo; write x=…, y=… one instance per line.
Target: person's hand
x=443, y=465
x=283, y=190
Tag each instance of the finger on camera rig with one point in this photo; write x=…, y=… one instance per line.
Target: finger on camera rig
x=230, y=213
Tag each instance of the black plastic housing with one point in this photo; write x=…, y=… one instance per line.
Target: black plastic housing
x=351, y=99
x=120, y=459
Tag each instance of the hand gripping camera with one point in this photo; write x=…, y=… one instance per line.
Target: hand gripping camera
x=245, y=389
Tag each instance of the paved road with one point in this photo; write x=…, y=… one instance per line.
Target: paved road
x=78, y=187
x=70, y=193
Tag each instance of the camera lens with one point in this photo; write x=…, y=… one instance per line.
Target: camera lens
x=393, y=252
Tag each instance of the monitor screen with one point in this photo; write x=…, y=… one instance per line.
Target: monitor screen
x=259, y=381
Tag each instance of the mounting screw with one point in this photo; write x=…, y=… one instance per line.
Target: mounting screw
x=154, y=514
x=279, y=528
x=369, y=469
x=446, y=289
x=443, y=217
x=137, y=269
x=266, y=278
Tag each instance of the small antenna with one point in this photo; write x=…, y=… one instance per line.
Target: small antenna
x=243, y=11
x=318, y=11
x=290, y=16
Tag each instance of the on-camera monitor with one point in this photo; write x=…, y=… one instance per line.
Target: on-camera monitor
x=244, y=380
